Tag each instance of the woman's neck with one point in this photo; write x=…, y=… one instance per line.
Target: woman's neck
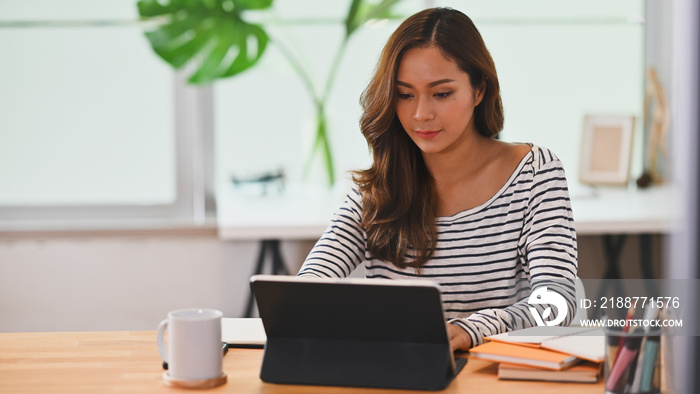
x=464, y=162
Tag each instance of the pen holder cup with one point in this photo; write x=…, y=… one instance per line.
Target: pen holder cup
x=632, y=361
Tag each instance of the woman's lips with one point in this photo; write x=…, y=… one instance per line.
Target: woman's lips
x=427, y=134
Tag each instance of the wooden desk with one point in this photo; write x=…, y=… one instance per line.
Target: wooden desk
x=96, y=362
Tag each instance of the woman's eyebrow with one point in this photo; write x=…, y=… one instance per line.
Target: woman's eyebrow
x=431, y=84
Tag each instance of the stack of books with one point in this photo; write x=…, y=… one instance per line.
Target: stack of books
x=562, y=354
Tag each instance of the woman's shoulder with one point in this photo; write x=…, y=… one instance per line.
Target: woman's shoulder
x=536, y=155
x=510, y=156
x=353, y=199
x=517, y=151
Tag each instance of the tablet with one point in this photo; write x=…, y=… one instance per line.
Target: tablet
x=354, y=332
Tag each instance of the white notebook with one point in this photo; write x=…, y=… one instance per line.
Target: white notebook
x=243, y=332
x=583, y=342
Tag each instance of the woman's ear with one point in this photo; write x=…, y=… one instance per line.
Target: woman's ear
x=479, y=93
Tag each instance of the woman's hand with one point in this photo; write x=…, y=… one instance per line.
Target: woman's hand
x=459, y=338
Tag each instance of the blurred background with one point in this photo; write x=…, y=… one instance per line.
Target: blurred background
x=115, y=170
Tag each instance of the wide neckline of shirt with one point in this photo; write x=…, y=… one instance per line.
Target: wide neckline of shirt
x=506, y=185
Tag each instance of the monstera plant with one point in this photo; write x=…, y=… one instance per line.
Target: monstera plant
x=214, y=38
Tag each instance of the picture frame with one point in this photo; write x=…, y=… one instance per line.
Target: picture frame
x=606, y=149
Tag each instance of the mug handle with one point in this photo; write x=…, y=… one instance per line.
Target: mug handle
x=160, y=336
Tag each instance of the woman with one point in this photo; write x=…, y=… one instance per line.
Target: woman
x=444, y=200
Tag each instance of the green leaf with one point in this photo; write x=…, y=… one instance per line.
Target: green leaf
x=255, y=4
x=351, y=22
x=326, y=151
x=221, y=40
x=179, y=51
x=383, y=10
x=168, y=33
x=150, y=8
x=245, y=59
x=362, y=11
x=210, y=34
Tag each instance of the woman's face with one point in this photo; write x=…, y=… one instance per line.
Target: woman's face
x=435, y=101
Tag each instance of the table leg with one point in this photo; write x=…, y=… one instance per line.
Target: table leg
x=612, y=247
x=647, y=269
x=645, y=261
x=269, y=247
x=278, y=266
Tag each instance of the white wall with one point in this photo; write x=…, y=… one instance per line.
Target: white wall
x=123, y=282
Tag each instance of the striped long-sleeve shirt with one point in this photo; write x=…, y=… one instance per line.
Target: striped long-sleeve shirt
x=488, y=259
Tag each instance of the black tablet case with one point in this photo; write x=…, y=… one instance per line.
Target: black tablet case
x=350, y=334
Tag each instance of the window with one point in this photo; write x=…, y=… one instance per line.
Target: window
x=93, y=125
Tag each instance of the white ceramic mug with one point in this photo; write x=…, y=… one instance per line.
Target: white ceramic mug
x=194, y=344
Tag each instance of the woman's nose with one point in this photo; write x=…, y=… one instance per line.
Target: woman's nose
x=424, y=110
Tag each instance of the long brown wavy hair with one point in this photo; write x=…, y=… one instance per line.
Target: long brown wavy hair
x=399, y=201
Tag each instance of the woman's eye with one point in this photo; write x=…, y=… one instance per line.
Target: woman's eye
x=442, y=95
x=404, y=96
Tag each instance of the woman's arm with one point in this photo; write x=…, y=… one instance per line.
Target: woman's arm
x=342, y=247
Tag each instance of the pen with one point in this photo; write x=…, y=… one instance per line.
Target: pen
x=625, y=329
x=625, y=358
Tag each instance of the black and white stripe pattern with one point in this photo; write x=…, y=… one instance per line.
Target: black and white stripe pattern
x=488, y=258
